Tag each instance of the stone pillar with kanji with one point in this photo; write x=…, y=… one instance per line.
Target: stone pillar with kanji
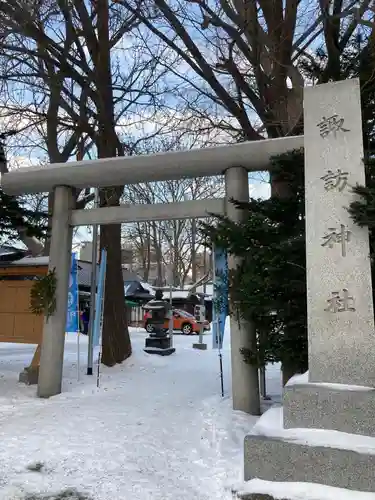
x=339, y=288
x=325, y=431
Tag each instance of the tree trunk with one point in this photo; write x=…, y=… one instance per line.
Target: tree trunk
x=280, y=188
x=193, y=251
x=148, y=258
x=34, y=246
x=175, y=272
x=116, y=339
x=146, y=263
x=47, y=242
x=158, y=255
x=288, y=370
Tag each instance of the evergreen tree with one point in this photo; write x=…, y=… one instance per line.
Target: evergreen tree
x=14, y=215
x=269, y=287
x=363, y=209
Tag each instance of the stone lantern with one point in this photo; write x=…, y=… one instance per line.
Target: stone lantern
x=159, y=341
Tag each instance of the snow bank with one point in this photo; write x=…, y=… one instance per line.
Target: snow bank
x=303, y=379
x=299, y=491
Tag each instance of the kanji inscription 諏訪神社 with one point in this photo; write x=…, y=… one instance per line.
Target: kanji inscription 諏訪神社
x=334, y=236
x=331, y=125
x=335, y=180
x=340, y=302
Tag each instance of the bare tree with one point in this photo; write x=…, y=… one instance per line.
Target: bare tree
x=31, y=103
x=241, y=57
x=171, y=245
x=169, y=242
x=91, y=89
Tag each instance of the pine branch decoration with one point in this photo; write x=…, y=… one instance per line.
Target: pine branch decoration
x=43, y=295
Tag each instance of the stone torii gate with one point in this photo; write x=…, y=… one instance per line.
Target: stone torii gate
x=234, y=161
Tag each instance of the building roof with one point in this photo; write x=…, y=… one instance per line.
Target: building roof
x=19, y=260
x=10, y=256
x=139, y=290
x=9, y=253
x=209, y=289
x=134, y=285
x=84, y=273
x=29, y=261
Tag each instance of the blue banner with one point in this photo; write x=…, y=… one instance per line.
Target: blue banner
x=99, y=300
x=220, y=306
x=72, y=320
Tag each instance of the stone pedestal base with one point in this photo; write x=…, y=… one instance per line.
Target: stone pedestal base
x=29, y=376
x=202, y=346
x=277, y=460
x=257, y=496
x=330, y=406
x=326, y=457
x=159, y=345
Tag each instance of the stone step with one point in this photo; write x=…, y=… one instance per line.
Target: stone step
x=344, y=408
x=273, y=459
x=326, y=457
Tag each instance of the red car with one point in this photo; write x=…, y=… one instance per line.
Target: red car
x=182, y=320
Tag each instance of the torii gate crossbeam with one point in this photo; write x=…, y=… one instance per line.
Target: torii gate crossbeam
x=254, y=156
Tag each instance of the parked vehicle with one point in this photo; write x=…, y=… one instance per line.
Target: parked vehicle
x=182, y=320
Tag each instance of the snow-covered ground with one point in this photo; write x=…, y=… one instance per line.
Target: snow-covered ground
x=157, y=428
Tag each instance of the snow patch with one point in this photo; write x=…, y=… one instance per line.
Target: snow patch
x=299, y=491
x=303, y=379
x=270, y=425
x=32, y=261
x=343, y=387
x=148, y=288
x=300, y=378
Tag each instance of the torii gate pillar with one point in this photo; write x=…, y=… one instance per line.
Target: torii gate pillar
x=245, y=381
x=52, y=355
